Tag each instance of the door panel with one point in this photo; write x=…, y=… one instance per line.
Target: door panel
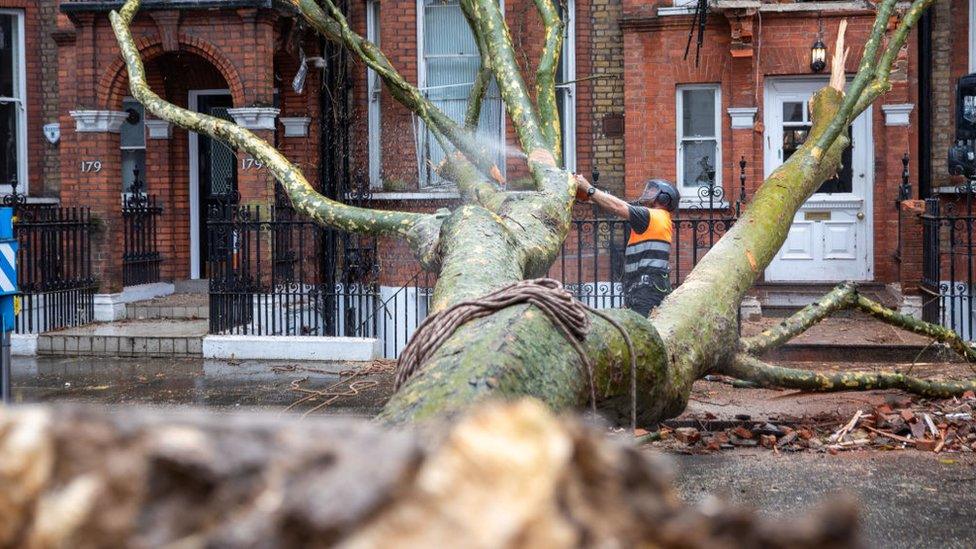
x=830, y=237
x=217, y=180
x=799, y=242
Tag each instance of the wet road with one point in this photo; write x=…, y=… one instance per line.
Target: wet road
x=211, y=383
x=911, y=499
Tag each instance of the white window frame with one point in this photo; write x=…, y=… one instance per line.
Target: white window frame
x=373, y=109
x=686, y=199
x=23, y=185
x=568, y=124
x=422, y=83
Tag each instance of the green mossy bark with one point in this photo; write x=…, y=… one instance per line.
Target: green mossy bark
x=749, y=368
x=517, y=352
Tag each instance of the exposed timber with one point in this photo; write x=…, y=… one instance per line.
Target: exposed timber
x=506, y=476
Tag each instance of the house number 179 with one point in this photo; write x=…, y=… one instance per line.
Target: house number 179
x=91, y=166
x=251, y=163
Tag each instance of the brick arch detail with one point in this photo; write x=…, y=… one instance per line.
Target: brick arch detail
x=112, y=87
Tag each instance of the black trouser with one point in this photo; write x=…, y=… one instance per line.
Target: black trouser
x=646, y=294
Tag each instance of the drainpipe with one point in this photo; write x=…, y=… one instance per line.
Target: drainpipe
x=925, y=106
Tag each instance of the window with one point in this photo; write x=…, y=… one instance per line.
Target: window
x=13, y=114
x=566, y=86
x=699, y=135
x=373, y=90
x=133, y=140
x=449, y=61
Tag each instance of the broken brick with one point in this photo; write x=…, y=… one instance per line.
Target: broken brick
x=742, y=432
x=687, y=435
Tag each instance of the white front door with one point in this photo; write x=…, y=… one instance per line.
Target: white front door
x=831, y=236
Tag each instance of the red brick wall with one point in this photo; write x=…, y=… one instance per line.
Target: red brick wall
x=654, y=66
x=239, y=50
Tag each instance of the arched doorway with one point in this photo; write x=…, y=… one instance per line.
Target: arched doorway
x=203, y=171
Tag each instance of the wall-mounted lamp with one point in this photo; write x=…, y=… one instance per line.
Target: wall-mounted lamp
x=818, y=56
x=818, y=52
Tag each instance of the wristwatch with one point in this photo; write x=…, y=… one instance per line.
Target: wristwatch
x=591, y=191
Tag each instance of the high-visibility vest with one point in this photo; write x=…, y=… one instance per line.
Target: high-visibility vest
x=649, y=252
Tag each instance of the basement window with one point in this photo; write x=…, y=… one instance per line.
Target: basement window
x=699, y=135
x=13, y=113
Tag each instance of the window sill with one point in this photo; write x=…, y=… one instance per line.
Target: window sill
x=826, y=5
x=415, y=195
x=40, y=199
x=697, y=205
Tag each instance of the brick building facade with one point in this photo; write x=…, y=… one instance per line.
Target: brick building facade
x=633, y=108
x=753, y=79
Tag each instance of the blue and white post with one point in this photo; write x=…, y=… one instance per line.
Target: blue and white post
x=8, y=293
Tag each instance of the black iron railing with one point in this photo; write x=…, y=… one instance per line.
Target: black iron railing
x=54, y=266
x=948, y=233
x=141, y=259
x=268, y=277
x=591, y=261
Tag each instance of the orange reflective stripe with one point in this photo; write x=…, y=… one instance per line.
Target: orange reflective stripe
x=659, y=227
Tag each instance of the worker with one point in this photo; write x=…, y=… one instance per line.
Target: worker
x=647, y=271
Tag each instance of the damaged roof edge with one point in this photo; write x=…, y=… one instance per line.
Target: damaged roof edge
x=77, y=6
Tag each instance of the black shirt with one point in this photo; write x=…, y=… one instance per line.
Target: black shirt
x=638, y=217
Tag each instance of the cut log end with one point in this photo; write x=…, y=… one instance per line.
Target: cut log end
x=507, y=475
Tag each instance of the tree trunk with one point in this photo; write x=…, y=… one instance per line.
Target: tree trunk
x=498, y=238
x=505, y=476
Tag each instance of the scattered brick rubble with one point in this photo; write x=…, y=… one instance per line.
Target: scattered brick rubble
x=902, y=422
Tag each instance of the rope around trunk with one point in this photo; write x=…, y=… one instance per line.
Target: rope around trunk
x=569, y=316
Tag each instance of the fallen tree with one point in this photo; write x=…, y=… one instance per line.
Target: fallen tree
x=497, y=238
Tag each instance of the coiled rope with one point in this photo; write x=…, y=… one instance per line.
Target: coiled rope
x=570, y=316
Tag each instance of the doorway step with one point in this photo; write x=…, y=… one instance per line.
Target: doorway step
x=127, y=338
x=784, y=299
x=177, y=306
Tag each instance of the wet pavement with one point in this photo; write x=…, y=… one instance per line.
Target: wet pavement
x=909, y=498
x=191, y=381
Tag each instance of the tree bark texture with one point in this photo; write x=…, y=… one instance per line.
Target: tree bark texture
x=506, y=476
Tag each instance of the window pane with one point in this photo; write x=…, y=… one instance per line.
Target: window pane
x=446, y=31
x=694, y=152
x=134, y=127
x=134, y=159
x=8, y=143
x=792, y=139
x=451, y=62
x=9, y=56
x=793, y=111
x=698, y=116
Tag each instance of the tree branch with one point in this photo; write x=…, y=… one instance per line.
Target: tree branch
x=545, y=80
x=846, y=296
x=749, y=368
x=865, y=74
x=472, y=113
x=337, y=29
x=841, y=297
x=882, y=84
x=473, y=186
x=934, y=331
x=498, y=40
x=416, y=228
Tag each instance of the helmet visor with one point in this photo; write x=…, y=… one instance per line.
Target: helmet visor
x=650, y=194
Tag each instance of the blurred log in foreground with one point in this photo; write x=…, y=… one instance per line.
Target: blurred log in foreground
x=507, y=475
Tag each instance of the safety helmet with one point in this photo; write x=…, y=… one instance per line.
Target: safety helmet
x=658, y=192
